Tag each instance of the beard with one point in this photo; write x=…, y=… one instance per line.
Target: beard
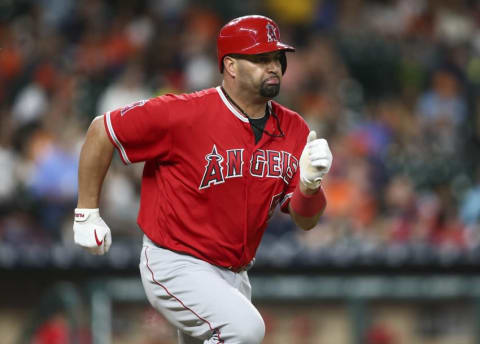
x=269, y=90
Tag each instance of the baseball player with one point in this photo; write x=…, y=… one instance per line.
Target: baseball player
x=217, y=163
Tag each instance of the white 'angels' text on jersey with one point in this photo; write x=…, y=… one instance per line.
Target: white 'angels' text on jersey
x=263, y=163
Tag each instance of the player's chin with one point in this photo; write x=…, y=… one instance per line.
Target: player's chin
x=269, y=90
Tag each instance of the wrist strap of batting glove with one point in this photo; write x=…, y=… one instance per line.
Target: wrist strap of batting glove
x=82, y=214
x=311, y=184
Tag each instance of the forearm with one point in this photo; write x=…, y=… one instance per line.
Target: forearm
x=312, y=196
x=95, y=158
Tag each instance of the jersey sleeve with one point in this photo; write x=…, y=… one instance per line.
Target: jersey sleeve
x=300, y=133
x=142, y=130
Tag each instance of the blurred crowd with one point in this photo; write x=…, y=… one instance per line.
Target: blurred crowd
x=393, y=85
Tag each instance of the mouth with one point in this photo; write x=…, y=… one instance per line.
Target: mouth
x=273, y=80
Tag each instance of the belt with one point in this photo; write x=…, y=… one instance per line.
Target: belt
x=242, y=268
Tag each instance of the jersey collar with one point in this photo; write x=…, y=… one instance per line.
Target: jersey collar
x=232, y=108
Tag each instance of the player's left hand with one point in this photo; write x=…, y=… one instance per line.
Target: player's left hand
x=91, y=232
x=315, y=161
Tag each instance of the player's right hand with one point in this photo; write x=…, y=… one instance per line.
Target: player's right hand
x=90, y=231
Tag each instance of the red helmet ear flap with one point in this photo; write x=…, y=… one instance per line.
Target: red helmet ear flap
x=250, y=35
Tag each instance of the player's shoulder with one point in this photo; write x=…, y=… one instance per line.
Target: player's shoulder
x=186, y=98
x=286, y=114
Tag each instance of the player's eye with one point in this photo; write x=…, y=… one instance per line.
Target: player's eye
x=263, y=59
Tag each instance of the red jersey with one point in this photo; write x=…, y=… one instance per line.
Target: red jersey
x=208, y=189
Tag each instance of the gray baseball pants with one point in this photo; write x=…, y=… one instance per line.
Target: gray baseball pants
x=206, y=303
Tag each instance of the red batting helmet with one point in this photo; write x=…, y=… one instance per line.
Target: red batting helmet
x=250, y=35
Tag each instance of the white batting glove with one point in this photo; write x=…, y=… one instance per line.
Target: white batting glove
x=315, y=161
x=91, y=232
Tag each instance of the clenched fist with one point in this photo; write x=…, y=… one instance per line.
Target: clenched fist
x=315, y=161
x=91, y=232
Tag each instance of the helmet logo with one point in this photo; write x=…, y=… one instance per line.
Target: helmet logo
x=271, y=33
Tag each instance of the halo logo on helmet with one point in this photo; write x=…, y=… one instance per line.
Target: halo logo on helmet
x=271, y=33
x=250, y=35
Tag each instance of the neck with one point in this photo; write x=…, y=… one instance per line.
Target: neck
x=244, y=103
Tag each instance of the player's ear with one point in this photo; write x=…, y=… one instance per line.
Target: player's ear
x=230, y=66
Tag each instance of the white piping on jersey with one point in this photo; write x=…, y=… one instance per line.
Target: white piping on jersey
x=114, y=137
x=285, y=198
x=269, y=104
x=232, y=108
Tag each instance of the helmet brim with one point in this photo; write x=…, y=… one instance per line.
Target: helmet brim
x=262, y=48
